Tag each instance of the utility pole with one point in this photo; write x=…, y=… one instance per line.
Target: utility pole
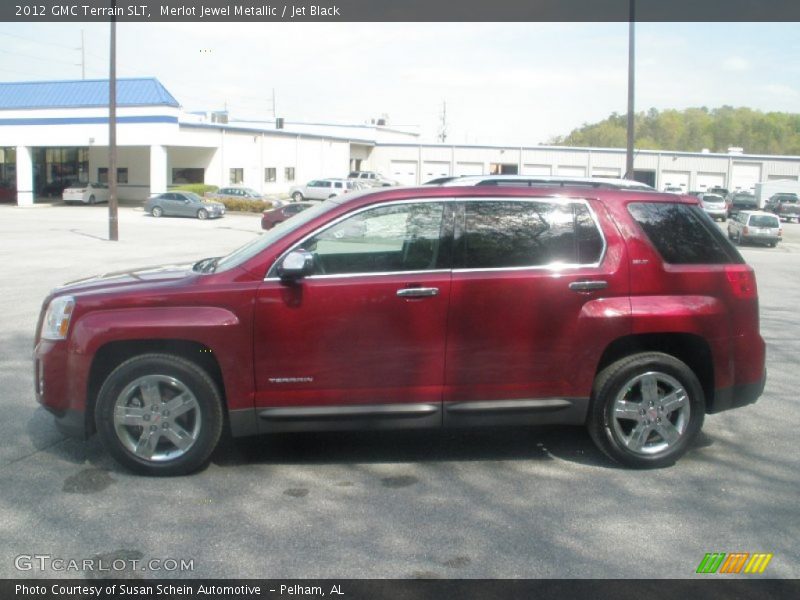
x=443, y=124
x=274, y=106
x=83, y=57
x=631, y=73
x=113, y=224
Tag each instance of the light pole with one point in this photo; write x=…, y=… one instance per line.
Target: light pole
x=631, y=73
x=113, y=224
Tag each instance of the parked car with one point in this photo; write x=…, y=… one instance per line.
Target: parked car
x=741, y=201
x=718, y=190
x=715, y=206
x=183, y=204
x=372, y=179
x=86, y=193
x=755, y=226
x=272, y=217
x=608, y=183
x=321, y=189
x=236, y=192
x=441, y=180
x=786, y=206
x=542, y=306
x=8, y=193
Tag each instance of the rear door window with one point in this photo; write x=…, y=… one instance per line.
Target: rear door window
x=528, y=233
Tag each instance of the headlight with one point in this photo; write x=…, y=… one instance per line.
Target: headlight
x=56, y=319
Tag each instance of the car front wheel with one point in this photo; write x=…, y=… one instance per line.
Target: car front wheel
x=157, y=211
x=646, y=410
x=202, y=214
x=159, y=414
x=297, y=197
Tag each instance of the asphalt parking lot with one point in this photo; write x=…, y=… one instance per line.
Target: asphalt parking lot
x=521, y=503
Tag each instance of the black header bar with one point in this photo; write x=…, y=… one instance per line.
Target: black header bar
x=397, y=10
x=711, y=588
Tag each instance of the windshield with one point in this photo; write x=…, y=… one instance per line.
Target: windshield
x=713, y=199
x=249, y=250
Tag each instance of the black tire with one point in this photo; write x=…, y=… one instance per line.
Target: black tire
x=297, y=197
x=92, y=200
x=157, y=211
x=180, y=385
x=615, y=421
x=202, y=214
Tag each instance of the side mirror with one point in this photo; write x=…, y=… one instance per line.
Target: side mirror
x=296, y=264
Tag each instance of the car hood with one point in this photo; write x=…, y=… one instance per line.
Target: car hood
x=217, y=204
x=147, y=275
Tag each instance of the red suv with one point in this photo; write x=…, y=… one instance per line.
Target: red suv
x=624, y=310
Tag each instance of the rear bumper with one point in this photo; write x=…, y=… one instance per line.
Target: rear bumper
x=737, y=396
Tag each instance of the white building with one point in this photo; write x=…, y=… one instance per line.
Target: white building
x=55, y=133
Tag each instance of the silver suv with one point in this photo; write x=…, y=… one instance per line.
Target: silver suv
x=755, y=226
x=372, y=179
x=321, y=189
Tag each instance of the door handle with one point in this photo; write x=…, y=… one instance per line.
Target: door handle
x=418, y=292
x=588, y=286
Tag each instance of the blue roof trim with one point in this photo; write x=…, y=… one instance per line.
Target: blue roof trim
x=88, y=93
x=89, y=120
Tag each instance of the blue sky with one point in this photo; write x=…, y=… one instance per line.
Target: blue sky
x=515, y=83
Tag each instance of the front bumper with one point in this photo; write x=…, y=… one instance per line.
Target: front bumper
x=60, y=386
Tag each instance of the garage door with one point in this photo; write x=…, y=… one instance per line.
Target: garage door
x=469, y=168
x=745, y=176
x=537, y=169
x=675, y=179
x=404, y=171
x=706, y=181
x=568, y=171
x=434, y=168
x=606, y=172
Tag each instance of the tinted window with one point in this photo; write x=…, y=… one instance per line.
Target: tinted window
x=502, y=234
x=403, y=237
x=683, y=234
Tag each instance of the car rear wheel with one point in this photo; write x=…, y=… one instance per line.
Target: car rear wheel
x=157, y=211
x=159, y=414
x=646, y=410
x=202, y=214
x=297, y=197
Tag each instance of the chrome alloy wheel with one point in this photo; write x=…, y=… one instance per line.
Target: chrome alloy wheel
x=651, y=413
x=157, y=418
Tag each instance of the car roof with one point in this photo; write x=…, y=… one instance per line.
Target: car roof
x=388, y=194
x=548, y=180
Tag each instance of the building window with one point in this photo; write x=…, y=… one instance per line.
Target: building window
x=237, y=176
x=288, y=173
x=183, y=176
x=270, y=174
x=122, y=175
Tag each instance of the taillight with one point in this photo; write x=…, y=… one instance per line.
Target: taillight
x=780, y=231
x=742, y=280
x=745, y=231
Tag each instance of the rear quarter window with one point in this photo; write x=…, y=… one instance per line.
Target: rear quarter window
x=683, y=234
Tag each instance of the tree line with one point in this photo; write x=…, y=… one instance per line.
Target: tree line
x=694, y=129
